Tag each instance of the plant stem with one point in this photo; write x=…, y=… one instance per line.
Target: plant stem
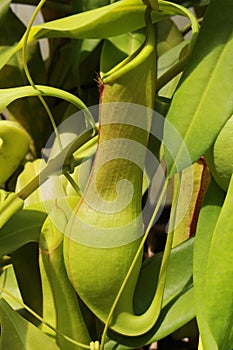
x=171, y=73
x=11, y=205
x=73, y=183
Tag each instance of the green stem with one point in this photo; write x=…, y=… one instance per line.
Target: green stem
x=73, y=183
x=188, y=27
x=171, y=73
x=11, y=205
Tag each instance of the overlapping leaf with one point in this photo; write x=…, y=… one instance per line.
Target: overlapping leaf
x=24, y=227
x=213, y=271
x=204, y=100
x=17, y=333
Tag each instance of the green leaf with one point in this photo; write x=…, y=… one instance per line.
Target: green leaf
x=17, y=333
x=204, y=99
x=206, y=223
x=100, y=23
x=23, y=227
x=213, y=271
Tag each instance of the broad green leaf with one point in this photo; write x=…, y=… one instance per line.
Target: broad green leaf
x=22, y=228
x=204, y=99
x=17, y=333
x=213, y=271
x=219, y=157
x=206, y=224
x=100, y=23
